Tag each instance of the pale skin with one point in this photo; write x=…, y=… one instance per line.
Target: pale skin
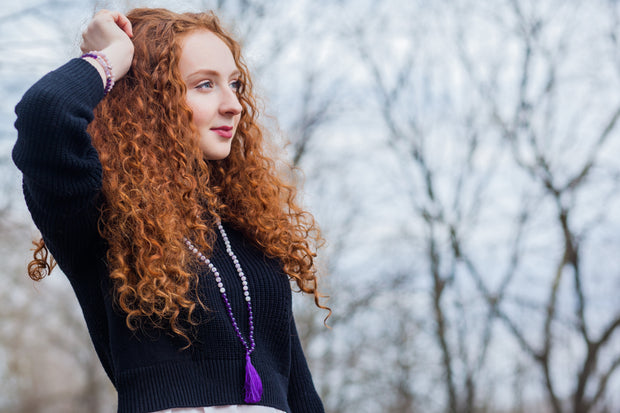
x=206, y=65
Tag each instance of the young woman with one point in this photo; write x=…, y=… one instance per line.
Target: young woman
x=144, y=169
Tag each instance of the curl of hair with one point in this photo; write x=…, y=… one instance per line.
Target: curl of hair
x=42, y=262
x=158, y=187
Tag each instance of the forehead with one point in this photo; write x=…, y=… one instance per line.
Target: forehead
x=204, y=50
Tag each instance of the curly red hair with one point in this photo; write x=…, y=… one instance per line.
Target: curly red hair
x=158, y=187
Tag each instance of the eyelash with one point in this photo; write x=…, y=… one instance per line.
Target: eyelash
x=236, y=85
x=208, y=83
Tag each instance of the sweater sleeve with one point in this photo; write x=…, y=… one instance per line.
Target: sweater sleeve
x=61, y=168
x=302, y=396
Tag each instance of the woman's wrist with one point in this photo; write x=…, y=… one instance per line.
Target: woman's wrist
x=97, y=66
x=103, y=66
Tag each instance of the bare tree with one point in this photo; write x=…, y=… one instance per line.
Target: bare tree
x=531, y=128
x=453, y=128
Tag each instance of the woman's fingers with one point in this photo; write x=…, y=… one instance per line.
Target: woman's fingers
x=123, y=22
x=105, y=28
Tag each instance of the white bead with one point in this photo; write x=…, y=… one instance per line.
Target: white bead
x=220, y=284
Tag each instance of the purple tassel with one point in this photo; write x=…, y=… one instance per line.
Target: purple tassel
x=253, y=385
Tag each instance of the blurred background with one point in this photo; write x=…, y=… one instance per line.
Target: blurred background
x=461, y=157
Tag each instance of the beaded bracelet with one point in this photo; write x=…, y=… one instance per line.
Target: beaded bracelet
x=102, y=59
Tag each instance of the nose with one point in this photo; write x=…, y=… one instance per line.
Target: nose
x=230, y=105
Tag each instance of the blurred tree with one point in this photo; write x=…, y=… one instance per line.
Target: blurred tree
x=490, y=132
x=560, y=145
x=496, y=161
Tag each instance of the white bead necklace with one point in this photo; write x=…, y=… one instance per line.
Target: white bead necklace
x=253, y=385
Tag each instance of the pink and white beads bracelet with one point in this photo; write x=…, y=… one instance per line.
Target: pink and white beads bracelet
x=102, y=59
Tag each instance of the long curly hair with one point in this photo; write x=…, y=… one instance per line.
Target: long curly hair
x=158, y=187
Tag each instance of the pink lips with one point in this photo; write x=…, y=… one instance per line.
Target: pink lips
x=223, y=131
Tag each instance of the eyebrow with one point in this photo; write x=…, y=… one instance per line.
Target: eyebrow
x=210, y=72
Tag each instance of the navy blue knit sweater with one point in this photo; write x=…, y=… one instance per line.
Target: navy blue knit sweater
x=61, y=183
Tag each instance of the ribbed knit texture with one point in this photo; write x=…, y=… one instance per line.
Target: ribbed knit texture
x=62, y=183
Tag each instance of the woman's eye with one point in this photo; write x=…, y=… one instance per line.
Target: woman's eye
x=205, y=85
x=235, y=85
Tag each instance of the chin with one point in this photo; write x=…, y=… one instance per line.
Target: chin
x=214, y=150
x=215, y=156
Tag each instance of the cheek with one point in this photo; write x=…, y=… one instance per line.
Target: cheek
x=201, y=110
x=201, y=116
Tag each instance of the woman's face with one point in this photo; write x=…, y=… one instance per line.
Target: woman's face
x=208, y=68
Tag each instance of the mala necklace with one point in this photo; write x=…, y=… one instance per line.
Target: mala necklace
x=253, y=385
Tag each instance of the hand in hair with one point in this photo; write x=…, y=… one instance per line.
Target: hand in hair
x=109, y=32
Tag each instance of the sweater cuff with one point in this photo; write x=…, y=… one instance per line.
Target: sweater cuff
x=81, y=80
